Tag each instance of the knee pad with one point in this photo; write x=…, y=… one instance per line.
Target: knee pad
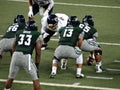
x=79, y=60
x=55, y=60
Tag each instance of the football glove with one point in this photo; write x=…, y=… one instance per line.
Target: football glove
x=30, y=13
x=44, y=35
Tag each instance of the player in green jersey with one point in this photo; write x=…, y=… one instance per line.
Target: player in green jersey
x=69, y=36
x=8, y=38
x=89, y=44
x=25, y=42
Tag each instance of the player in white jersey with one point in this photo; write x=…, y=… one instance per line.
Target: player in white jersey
x=44, y=7
x=50, y=25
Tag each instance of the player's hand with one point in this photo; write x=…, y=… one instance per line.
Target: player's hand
x=30, y=13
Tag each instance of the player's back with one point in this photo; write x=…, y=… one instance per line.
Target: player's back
x=69, y=35
x=89, y=31
x=11, y=31
x=26, y=41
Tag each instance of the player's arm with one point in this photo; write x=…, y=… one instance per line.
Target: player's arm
x=81, y=36
x=30, y=13
x=30, y=3
x=95, y=36
x=37, y=53
x=49, y=7
x=51, y=4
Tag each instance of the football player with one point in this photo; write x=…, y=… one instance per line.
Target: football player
x=44, y=7
x=7, y=40
x=89, y=44
x=50, y=25
x=25, y=42
x=69, y=36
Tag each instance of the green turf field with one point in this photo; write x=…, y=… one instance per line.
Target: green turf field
x=106, y=15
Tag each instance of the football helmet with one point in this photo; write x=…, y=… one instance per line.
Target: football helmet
x=73, y=20
x=31, y=25
x=19, y=19
x=88, y=20
x=52, y=19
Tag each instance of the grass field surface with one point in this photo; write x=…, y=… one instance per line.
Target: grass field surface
x=106, y=15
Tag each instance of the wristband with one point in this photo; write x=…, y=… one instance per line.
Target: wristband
x=30, y=8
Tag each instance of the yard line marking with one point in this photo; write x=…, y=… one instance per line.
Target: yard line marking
x=87, y=5
x=62, y=85
x=76, y=84
x=117, y=61
x=110, y=69
x=114, y=44
x=1, y=35
x=94, y=77
x=73, y=4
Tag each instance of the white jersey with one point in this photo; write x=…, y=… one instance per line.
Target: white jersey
x=62, y=21
x=45, y=2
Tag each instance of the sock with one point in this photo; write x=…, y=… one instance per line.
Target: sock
x=98, y=64
x=79, y=71
x=54, y=69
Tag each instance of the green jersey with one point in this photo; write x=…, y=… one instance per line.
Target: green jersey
x=69, y=35
x=12, y=29
x=90, y=31
x=26, y=41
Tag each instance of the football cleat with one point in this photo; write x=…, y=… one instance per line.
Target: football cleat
x=99, y=69
x=80, y=76
x=63, y=64
x=90, y=61
x=52, y=75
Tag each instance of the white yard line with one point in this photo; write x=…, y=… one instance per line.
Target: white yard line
x=73, y=4
x=110, y=69
x=117, y=61
x=62, y=85
x=95, y=77
x=114, y=44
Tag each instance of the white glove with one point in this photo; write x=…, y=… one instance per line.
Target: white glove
x=44, y=35
x=30, y=13
x=46, y=13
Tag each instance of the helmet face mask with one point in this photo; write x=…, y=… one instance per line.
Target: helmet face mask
x=31, y=25
x=19, y=19
x=88, y=20
x=52, y=19
x=73, y=20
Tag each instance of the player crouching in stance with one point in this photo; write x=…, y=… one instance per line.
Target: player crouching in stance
x=89, y=44
x=25, y=42
x=7, y=40
x=50, y=26
x=69, y=36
